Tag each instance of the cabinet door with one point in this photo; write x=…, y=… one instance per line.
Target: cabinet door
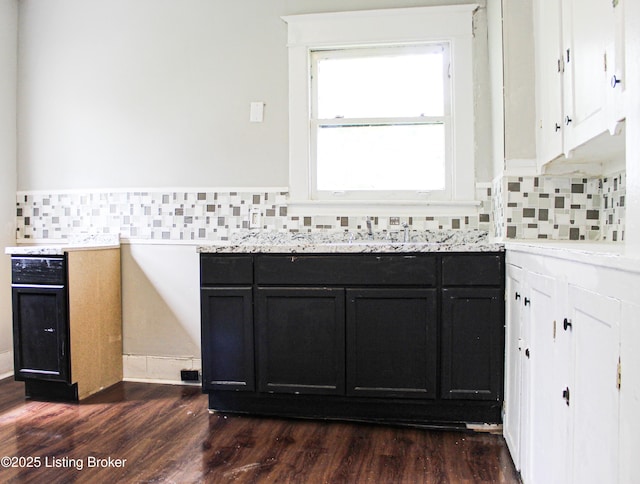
x=513, y=357
x=391, y=342
x=472, y=343
x=301, y=340
x=227, y=339
x=594, y=394
x=538, y=463
x=41, y=333
x=587, y=31
x=549, y=68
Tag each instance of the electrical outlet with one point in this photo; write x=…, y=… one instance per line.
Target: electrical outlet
x=255, y=218
x=189, y=375
x=394, y=221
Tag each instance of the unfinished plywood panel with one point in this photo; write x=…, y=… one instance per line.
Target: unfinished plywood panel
x=95, y=319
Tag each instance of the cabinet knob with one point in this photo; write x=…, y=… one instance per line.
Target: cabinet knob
x=615, y=81
x=527, y=353
x=566, y=395
x=558, y=127
x=567, y=120
x=567, y=324
x=527, y=301
x=517, y=296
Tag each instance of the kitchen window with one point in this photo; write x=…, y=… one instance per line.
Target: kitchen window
x=380, y=121
x=381, y=108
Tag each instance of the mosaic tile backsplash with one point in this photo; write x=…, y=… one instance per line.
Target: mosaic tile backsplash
x=560, y=208
x=201, y=215
x=544, y=207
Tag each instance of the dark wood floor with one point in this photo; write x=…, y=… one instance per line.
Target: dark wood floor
x=166, y=434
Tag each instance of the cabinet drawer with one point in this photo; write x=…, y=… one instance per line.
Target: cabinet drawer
x=370, y=270
x=472, y=270
x=38, y=270
x=223, y=269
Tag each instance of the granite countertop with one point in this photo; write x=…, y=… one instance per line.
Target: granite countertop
x=76, y=242
x=354, y=242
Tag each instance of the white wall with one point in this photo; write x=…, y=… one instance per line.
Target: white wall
x=512, y=84
x=151, y=93
x=8, y=76
x=496, y=82
x=519, y=81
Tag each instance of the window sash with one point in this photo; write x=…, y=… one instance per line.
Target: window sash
x=315, y=124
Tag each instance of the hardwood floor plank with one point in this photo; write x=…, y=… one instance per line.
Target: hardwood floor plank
x=164, y=433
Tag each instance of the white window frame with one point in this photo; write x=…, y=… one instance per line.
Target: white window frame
x=389, y=27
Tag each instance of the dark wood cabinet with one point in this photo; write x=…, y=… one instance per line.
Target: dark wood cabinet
x=405, y=338
x=67, y=322
x=227, y=333
x=472, y=343
x=392, y=342
x=301, y=340
x=41, y=333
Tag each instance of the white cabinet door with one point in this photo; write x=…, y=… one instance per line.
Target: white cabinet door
x=513, y=352
x=616, y=72
x=630, y=392
x=549, y=69
x=594, y=393
x=587, y=31
x=540, y=364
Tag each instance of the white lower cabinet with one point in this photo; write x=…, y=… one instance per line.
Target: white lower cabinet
x=562, y=398
x=513, y=362
x=532, y=379
x=594, y=393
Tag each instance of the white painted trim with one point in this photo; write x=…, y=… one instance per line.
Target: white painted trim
x=157, y=381
x=381, y=208
x=89, y=191
x=368, y=27
x=521, y=167
x=6, y=375
x=451, y=24
x=158, y=369
x=6, y=363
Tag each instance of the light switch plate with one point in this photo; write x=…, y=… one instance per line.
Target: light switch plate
x=256, y=114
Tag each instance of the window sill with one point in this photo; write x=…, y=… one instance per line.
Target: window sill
x=382, y=207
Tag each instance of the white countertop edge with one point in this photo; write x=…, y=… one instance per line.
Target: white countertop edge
x=55, y=249
x=611, y=255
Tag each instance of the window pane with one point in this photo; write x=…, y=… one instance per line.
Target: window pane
x=406, y=85
x=400, y=157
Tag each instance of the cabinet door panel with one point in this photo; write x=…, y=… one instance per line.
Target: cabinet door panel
x=549, y=67
x=587, y=29
x=472, y=344
x=391, y=342
x=540, y=392
x=594, y=396
x=227, y=339
x=301, y=340
x=41, y=333
x=513, y=367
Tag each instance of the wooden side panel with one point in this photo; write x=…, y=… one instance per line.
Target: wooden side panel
x=95, y=317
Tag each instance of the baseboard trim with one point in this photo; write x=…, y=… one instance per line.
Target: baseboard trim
x=6, y=363
x=158, y=369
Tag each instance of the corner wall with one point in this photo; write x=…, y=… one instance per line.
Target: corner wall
x=8, y=85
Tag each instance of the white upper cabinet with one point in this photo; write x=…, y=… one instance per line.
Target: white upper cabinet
x=579, y=79
x=616, y=69
x=549, y=68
